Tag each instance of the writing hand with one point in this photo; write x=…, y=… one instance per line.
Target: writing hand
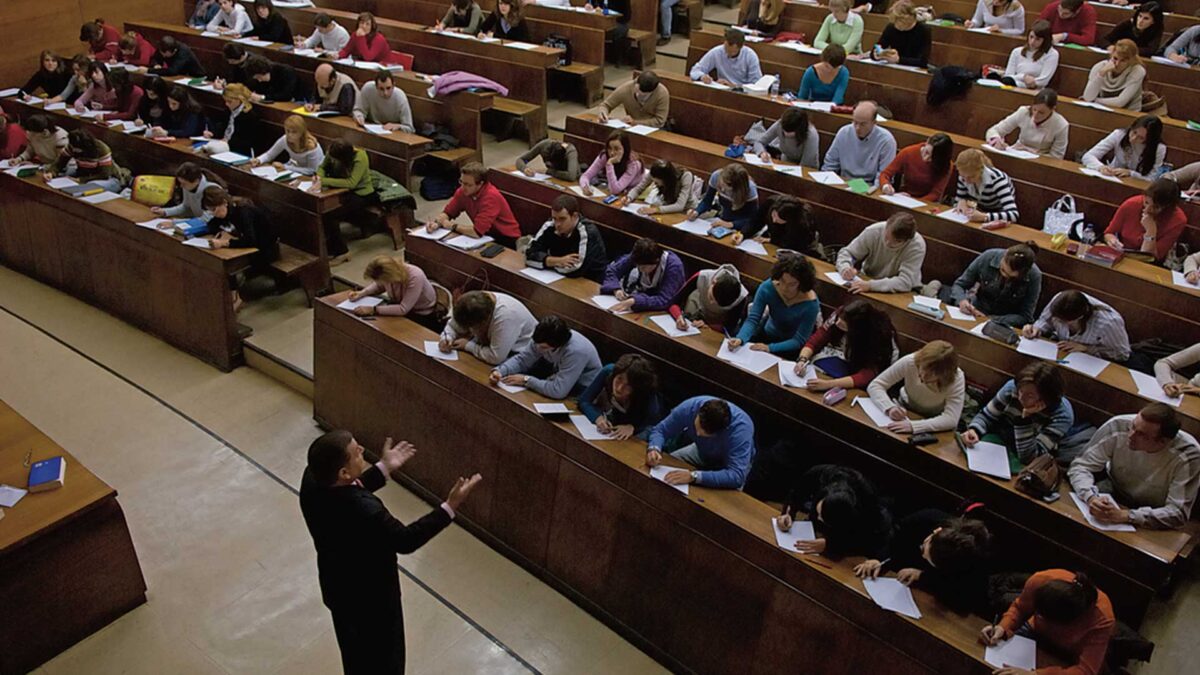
x=868, y=569
x=970, y=438
x=653, y=457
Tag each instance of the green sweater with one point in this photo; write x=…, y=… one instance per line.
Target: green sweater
x=360, y=175
x=848, y=35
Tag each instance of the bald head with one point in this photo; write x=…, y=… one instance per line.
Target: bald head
x=324, y=74
x=864, y=118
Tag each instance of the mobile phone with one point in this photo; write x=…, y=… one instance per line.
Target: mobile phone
x=611, y=198
x=719, y=232
x=922, y=439
x=491, y=250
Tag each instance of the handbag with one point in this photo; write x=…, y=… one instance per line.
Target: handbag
x=1040, y=477
x=1061, y=217
x=153, y=190
x=556, y=41
x=1153, y=104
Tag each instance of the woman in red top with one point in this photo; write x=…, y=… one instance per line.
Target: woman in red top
x=857, y=334
x=367, y=43
x=136, y=50
x=102, y=39
x=12, y=138
x=1065, y=611
x=922, y=170
x=1150, y=222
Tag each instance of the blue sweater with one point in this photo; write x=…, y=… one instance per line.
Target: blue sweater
x=813, y=89
x=787, y=328
x=596, y=401
x=731, y=449
x=742, y=219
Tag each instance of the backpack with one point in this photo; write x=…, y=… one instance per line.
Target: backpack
x=440, y=185
x=949, y=81
x=556, y=41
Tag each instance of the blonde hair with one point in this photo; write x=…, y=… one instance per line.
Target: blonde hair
x=843, y=5
x=295, y=125
x=386, y=269
x=972, y=161
x=1128, y=50
x=240, y=93
x=904, y=9
x=939, y=359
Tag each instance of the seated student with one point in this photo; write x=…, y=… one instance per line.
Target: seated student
x=1002, y=285
x=560, y=159
x=665, y=188
x=556, y=363
x=204, y=12
x=52, y=77
x=1042, y=130
x=1185, y=48
x=1136, y=151
x=335, y=92
x=1150, y=222
x=1081, y=323
x=890, y=253
x=827, y=79
x=382, y=102
x=273, y=81
x=1071, y=21
x=506, y=22
x=1065, y=613
x=367, y=43
x=488, y=325
x=102, y=40
x=408, y=291
x=845, y=509
x=486, y=208
x=734, y=62
x=715, y=298
x=784, y=312
x=713, y=435
x=46, y=140
x=14, y=141
x=732, y=193
x=328, y=36
x=128, y=98
x=568, y=243
x=763, y=16
x=1117, y=81
x=135, y=50
x=193, y=181
x=1145, y=28
x=644, y=99
x=905, y=40
x=184, y=118
x=1034, y=64
x=933, y=387
x=100, y=94
x=1167, y=370
x=174, y=58
x=269, y=24
x=231, y=19
x=623, y=399
x=617, y=168
x=791, y=137
x=235, y=57
x=1149, y=465
x=786, y=222
x=1029, y=415
x=345, y=167
x=858, y=339
x=984, y=193
x=88, y=160
x=942, y=554
x=998, y=16
x=921, y=170
x=841, y=27
x=645, y=279
x=237, y=223
x=77, y=83
x=1187, y=178
x=153, y=108
x=305, y=154
x=862, y=148
x=240, y=130
x=463, y=16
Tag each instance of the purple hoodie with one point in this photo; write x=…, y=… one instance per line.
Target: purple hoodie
x=651, y=294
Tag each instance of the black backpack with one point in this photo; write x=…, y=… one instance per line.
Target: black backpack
x=949, y=81
x=556, y=41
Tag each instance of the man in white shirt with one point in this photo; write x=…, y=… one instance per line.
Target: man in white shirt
x=327, y=36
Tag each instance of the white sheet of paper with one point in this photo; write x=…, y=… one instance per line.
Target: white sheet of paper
x=660, y=474
x=253, y=42
x=56, y=106
x=431, y=349
x=1043, y=349
x=698, y=226
x=305, y=51
x=420, y=233
x=953, y=216
x=982, y=81
x=1097, y=174
x=539, y=177
x=210, y=33
x=801, y=530
x=466, y=243
x=1087, y=364
x=752, y=158
x=633, y=208
x=597, y=193
x=1149, y=387
x=1168, y=62
x=61, y=182
x=1011, y=152
x=376, y=129
x=1107, y=527
x=1016, y=652
x=959, y=315
x=11, y=91
x=789, y=378
x=879, y=417
x=197, y=242
x=799, y=47
x=836, y=278
x=101, y=197
x=230, y=157
x=543, y=276
x=615, y=123
x=1087, y=104
x=510, y=388
x=641, y=129
x=521, y=45
x=903, y=200
x=752, y=246
x=826, y=177
x=989, y=458
x=153, y=224
x=747, y=359
x=933, y=303
x=550, y=408
x=890, y=594
x=9, y=495
x=789, y=169
x=978, y=329
x=606, y=302
x=667, y=323
x=588, y=430
x=820, y=106
x=1178, y=279
x=365, y=301
x=714, y=84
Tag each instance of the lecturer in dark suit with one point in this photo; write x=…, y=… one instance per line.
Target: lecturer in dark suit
x=357, y=541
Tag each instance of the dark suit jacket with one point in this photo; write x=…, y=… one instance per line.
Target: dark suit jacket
x=357, y=541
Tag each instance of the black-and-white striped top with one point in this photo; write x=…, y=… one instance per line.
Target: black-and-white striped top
x=994, y=196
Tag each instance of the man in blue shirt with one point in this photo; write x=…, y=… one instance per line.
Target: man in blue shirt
x=736, y=64
x=722, y=442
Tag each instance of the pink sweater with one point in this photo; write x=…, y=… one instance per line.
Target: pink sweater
x=414, y=297
x=616, y=184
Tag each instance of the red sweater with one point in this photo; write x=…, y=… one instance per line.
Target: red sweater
x=829, y=331
x=108, y=48
x=1127, y=225
x=919, y=181
x=1086, y=638
x=12, y=141
x=487, y=210
x=141, y=54
x=376, y=50
x=1080, y=29
x=127, y=107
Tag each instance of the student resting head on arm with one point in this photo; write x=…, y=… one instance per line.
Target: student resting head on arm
x=560, y=159
x=618, y=168
x=1029, y=415
x=490, y=326
x=1117, y=81
x=1167, y=370
x=933, y=387
x=715, y=298
x=193, y=181
x=1150, y=222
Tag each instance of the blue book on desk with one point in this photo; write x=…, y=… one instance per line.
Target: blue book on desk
x=192, y=227
x=47, y=474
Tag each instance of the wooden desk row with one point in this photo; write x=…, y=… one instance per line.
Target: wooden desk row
x=1182, y=13
x=695, y=581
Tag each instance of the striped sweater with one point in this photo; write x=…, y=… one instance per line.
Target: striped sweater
x=994, y=196
x=1032, y=436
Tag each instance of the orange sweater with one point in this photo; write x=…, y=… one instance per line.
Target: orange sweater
x=1085, y=638
x=918, y=179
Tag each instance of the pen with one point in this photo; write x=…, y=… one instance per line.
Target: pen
x=728, y=337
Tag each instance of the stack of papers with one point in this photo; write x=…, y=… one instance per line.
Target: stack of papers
x=55, y=106
x=836, y=277
x=431, y=349
x=230, y=158
x=642, y=129
x=878, y=416
x=1087, y=104
x=667, y=323
x=510, y=388
x=421, y=233
x=1043, y=349
x=954, y=216
x=11, y=91
x=365, y=301
x=465, y=243
x=789, y=378
x=376, y=129
x=959, y=315
x=1168, y=62
x=801, y=530
x=521, y=45
x=660, y=473
x=615, y=123
x=698, y=226
x=1149, y=387
x=932, y=303
x=1179, y=279
x=820, y=106
x=746, y=358
x=597, y=193
x=61, y=182
x=1011, y=152
x=543, y=276
x=101, y=197
x=163, y=225
x=537, y=176
x=826, y=177
x=1107, y=527
x=892, y=595
x=253, y=42
x=714, y=84
x=1016, y=652
x=197, y=242
x=990, y=459
x=271, y=173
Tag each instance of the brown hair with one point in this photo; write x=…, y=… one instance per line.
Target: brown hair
x=367, y=16
x=938, y=358
x=473, y=308
x=476, y=170
x=903, y=9
x=1046, y=379
x=1041, y=28
x=834, y=54
x=1127, y=49
x=1021, y=257
x=386, y=269
x=902, y=225
x=1164, y=416
x=738, y=180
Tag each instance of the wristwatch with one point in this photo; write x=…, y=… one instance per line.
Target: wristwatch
x=695, y=476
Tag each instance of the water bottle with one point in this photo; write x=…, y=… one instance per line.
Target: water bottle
x=775, y=86
x=1089, y=235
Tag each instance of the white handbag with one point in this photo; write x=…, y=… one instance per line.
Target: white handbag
x=1061, y=216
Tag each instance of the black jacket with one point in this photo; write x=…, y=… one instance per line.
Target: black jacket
x=247, y=132
x=274, y=28
x=250, y=227
x=584, y=240
x=51, y=84
x=517, y=33
x=867, y=534
x=357, y=541
x=182, y=63
x=964, y=592
x=284, y=85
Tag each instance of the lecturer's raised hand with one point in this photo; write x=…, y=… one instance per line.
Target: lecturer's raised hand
x=394, y=455
x=461, y=490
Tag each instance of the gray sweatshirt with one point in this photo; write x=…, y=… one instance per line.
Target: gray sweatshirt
x=573, y=366
x=369, y=106
x=571, y=173
x=802, y=151
x=509, y=331
x=891, y=270
x=190, y=206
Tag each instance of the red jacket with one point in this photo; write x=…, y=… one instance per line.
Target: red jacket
x=376, y=50
x=141, y=54
x=918, y=179
x=109, y=47
x=487, y=209
x=1080, y=29
x=12, y=141
x=1127, y=225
